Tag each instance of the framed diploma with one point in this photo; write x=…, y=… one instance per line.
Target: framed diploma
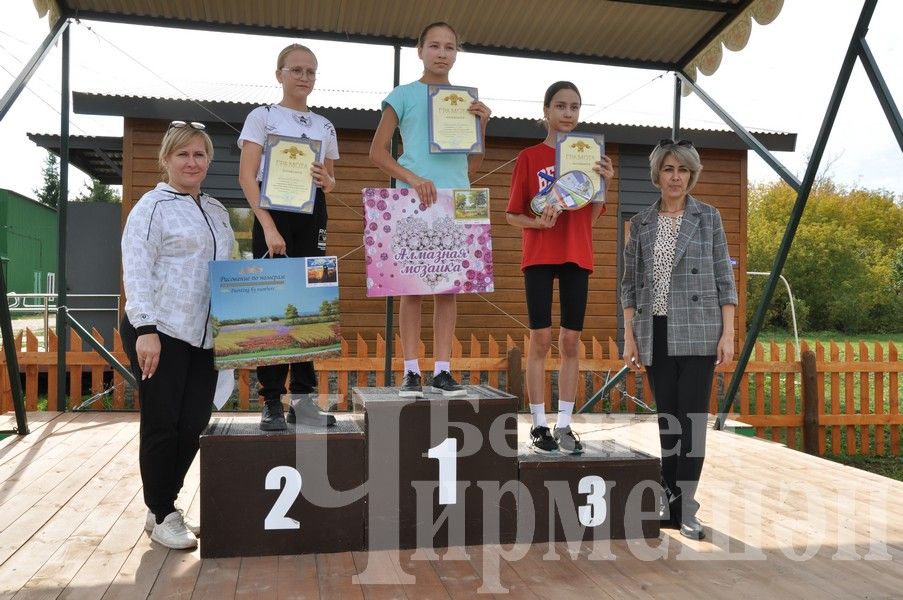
x=451, y=127
x=287, y=183
x=579, y=152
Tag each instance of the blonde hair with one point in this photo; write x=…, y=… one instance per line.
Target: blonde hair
x=175, y=138
x=685, y=154
x=280, y=60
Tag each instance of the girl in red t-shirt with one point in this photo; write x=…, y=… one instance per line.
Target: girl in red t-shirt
x=555, y=244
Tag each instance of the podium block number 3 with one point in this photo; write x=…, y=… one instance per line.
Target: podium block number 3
x=276, y=519
x=595, y=510
x=446, y=454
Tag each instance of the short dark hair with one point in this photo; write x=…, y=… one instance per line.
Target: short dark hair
x=557, y=87
x=433, y=25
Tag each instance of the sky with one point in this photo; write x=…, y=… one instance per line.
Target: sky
x=781, y=81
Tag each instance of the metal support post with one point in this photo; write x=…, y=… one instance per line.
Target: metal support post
x=61, y=328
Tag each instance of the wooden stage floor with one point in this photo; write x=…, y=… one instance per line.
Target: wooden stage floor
x=780, y=524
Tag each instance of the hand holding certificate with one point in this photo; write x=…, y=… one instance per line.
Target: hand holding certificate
x=287, y=181
x=453, y=128
x=581, y=152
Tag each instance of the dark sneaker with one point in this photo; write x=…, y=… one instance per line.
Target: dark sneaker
x=691, y=528
x=272, y=419
x=445, y=384
x=411, y=387
x=568, y=441
x=543, y=440
x=304, y=410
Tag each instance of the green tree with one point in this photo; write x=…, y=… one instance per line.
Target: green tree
x=841, y=263
x=330, y=309
x=49, y=193
x=99, y=192
x=291, y=312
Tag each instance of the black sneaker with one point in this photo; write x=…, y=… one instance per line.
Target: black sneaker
x=543, y=440
x=568, y=441
x=271, y=418
x=445, y=384
x=411, y=387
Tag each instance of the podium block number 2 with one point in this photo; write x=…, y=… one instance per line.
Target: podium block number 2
x=446, y=454
x=592, y=513
x=276, y=518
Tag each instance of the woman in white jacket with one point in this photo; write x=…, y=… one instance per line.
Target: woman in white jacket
x=171, y=234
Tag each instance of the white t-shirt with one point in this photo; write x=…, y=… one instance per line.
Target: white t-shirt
x=280, y=120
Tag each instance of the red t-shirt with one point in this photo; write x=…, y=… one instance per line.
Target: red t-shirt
x=571, y=239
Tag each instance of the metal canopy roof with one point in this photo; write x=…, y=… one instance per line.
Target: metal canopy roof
x=657, y=34
x=98, y=156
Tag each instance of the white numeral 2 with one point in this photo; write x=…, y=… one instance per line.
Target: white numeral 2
x=277, y=519
x=594, y=512
x=446, y=454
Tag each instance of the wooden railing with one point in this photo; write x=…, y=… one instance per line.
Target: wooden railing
x=856, y=407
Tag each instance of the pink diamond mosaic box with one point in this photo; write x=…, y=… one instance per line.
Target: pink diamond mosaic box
x=412, y=249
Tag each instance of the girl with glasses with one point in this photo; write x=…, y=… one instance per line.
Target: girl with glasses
x=282, y=233
x=406, y=109
x=556, y=245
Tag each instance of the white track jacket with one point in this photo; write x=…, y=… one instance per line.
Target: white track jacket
x=166, y=245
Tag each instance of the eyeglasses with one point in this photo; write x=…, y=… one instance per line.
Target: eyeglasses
x=183, y=124
x=669, y=142
x=300, y=72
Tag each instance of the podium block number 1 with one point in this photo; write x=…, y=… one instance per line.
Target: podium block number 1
x=593, y=513
x=276, y=518
x=446, y=454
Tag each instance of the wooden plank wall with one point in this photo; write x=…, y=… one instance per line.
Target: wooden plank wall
x=723, y=184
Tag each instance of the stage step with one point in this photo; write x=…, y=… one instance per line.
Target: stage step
x=436, y=466
x=609, y=492
x=288, y=492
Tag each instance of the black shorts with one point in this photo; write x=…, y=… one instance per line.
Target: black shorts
x=573, y=286
x=304, y=235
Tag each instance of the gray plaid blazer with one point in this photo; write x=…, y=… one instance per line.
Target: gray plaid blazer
x=702, y=280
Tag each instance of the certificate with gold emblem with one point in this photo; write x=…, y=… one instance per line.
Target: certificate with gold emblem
x=451, y=127
x=287, y=183
x=580, y=152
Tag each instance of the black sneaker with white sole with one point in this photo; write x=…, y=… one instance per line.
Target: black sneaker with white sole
x=411, y=387
x=542, y=440
x=445, y=384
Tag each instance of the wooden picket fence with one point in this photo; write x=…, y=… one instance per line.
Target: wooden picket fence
x=856, y=408
x=855, y=402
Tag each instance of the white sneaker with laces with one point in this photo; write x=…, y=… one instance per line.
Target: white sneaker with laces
x=173, y=533
x=193, y=526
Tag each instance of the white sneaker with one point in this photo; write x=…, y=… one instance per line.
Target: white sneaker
x=172, y=533
x=193, y=526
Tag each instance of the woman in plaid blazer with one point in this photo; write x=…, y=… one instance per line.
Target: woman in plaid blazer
x=679, y=297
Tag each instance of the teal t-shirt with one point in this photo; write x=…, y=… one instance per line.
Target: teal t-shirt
x=409, y=102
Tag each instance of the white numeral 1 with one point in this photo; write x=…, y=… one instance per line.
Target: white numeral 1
x=277, y=519
x=594, y=512
x=446, y=454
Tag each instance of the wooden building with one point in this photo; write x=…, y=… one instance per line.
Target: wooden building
x=723, y=183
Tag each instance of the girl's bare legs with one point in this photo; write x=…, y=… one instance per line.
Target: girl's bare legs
x=568, y=348
x=445, y=314
x=409, y=309
x=540, y=343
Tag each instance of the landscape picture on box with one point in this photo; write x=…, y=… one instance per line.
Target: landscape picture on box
x=271, y=311
x=412, y=249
